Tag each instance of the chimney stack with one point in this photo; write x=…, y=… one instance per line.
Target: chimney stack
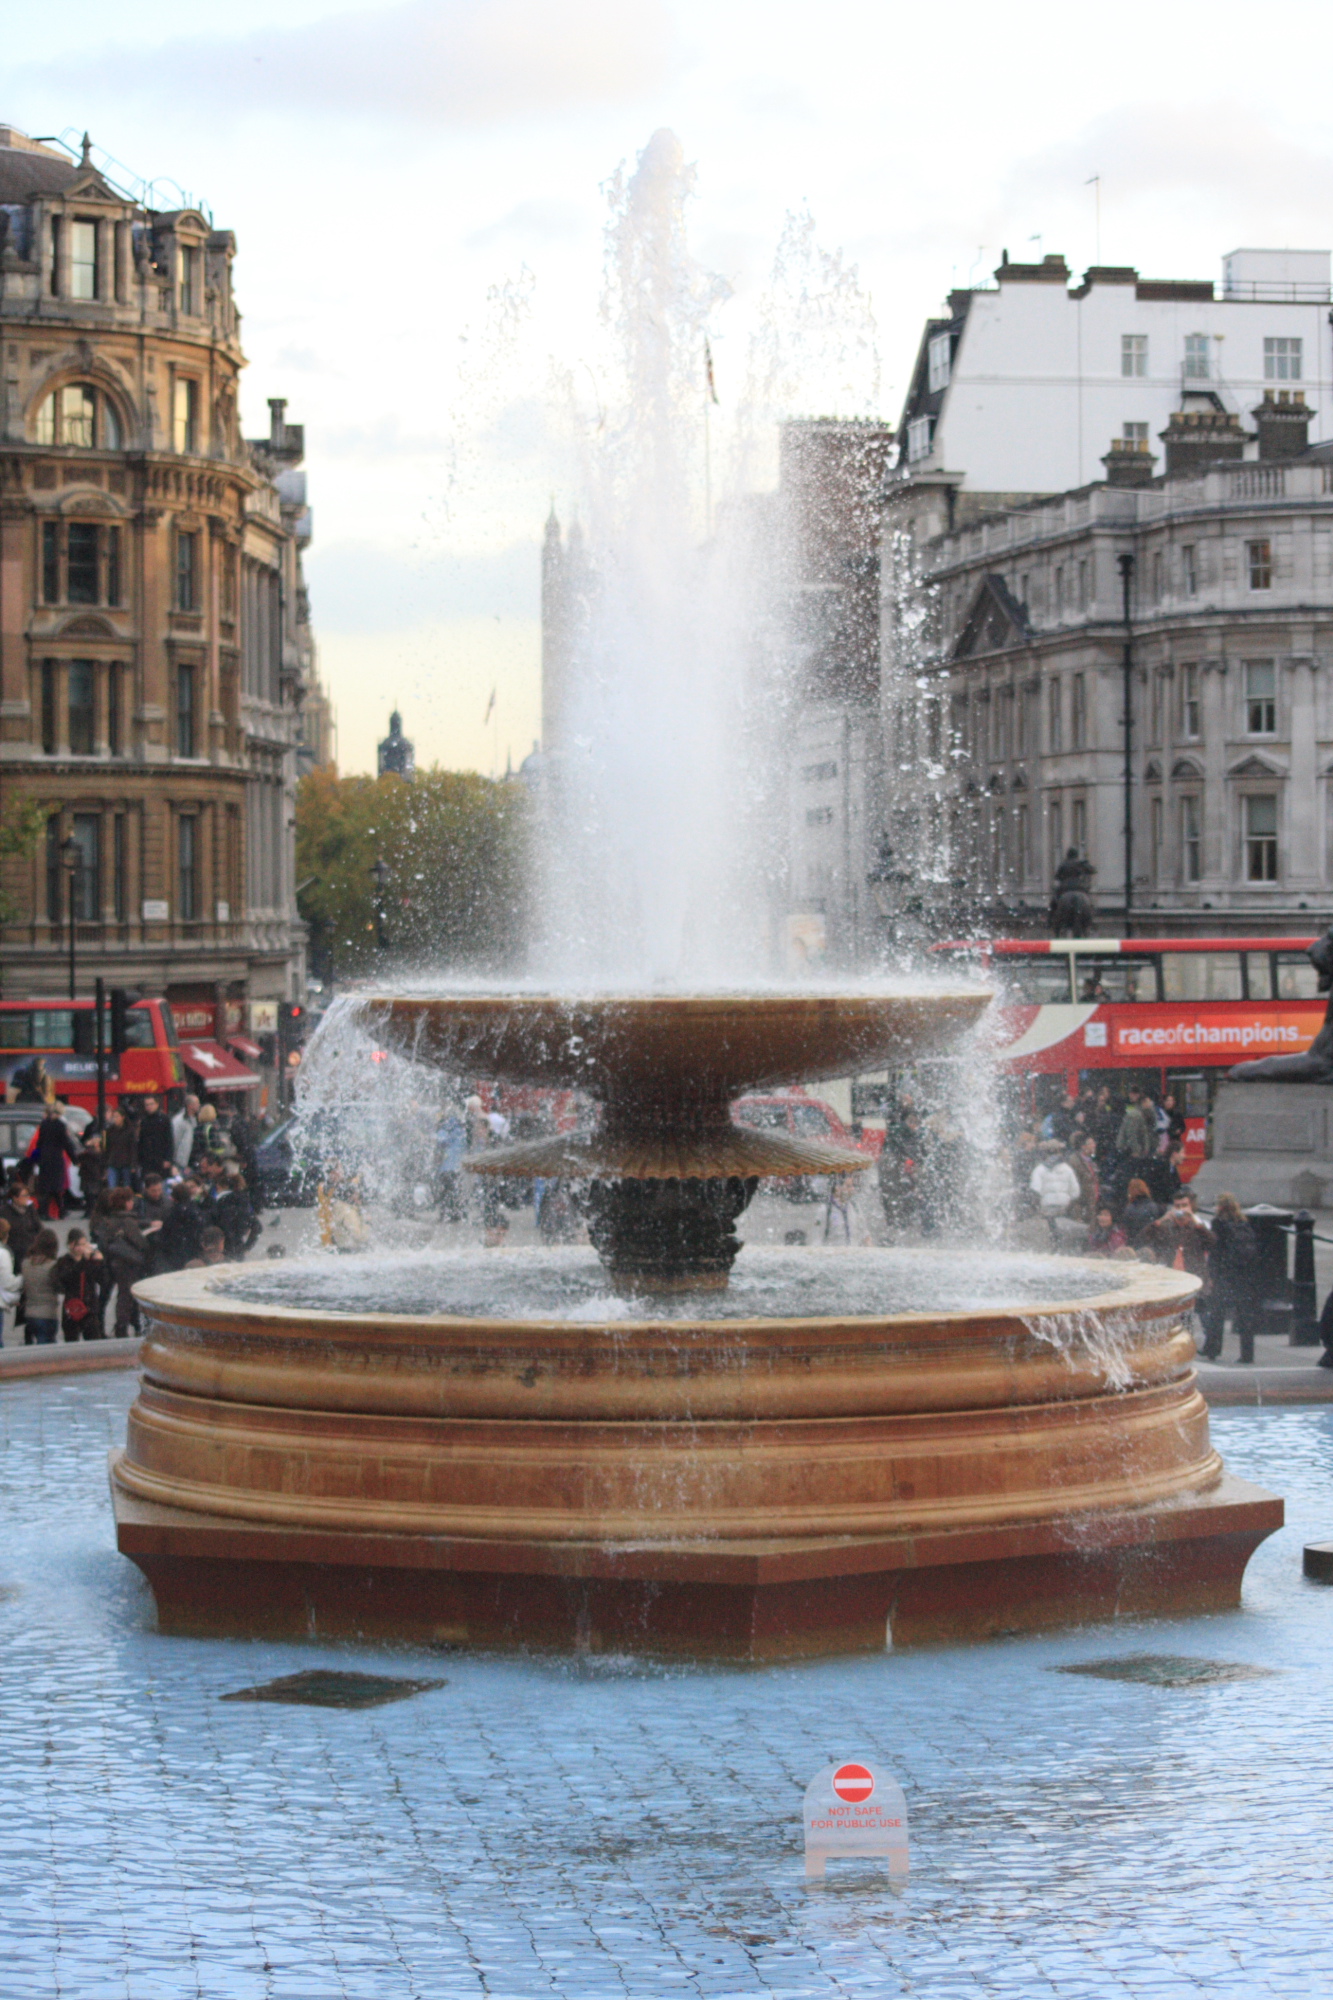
x=1129, y=463
x=1195, y=439
x=1283, y=421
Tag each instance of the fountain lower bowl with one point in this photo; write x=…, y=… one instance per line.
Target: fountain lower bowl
x=655, y=1477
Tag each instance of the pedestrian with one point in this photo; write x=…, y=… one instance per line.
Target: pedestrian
x=37, y=1288
x=1137, y=1138
x=212, y=1249
x=450, y=1146
x=9, y=1284
x=153, y=1205
x=1233, y=1285
x=1106, y=1238
x=234, y=1215
x=92, y=1171
x=22, y=1214
x=1084, y=1163
x=127, y=1250
x=179, y=1241
x=1056, y=1187
x=1141, y=1211
x=155, y=1139
x=53, y=1148
x=1179, y=1239
x=121, y=1148
x=183, y=1128
x=81, y=1276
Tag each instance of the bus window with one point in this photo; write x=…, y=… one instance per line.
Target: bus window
x=53, y=1027
x=169, y=1024
x=1202, y=975
x=139, y=1029
x=1296, y=977
x=1039, y=981
x=1115, y=977
x=15, y=1029
x=1259, y=975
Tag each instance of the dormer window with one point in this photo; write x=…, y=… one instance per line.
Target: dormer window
x=189, y=289
x=918, y=439
x=939, y=357
x=82, y=259
x=81, y=415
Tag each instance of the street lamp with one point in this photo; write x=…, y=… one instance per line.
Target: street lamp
x=381, y=873
x=71, y=860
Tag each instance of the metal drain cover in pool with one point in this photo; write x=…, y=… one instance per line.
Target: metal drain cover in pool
x=1168, y=1670
x=321, y=1688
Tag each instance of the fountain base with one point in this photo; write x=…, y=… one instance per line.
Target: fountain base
x=786, y=1598
x=667, y=1236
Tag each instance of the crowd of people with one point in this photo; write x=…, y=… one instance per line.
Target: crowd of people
x=158, y=1193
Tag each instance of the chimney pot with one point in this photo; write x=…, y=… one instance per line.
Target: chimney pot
x=1282, y=423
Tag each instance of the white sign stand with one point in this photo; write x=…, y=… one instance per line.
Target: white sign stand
x=853, y=1808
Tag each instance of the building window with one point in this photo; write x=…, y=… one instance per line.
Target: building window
x=187, y=571
x=49, y=707
x=1155, y=711
x=86, y=879
x=1078, y=715
x=938, y=357
x=187, y=827
x=1021, y=857
x=1189, y=571
x=83, y=260
x=119, y=882
x=55, y=887
x=50, y=562
x=1135, y=435
x=1197, y=359
x=115, y=724
x=1084, y=595
x=1157, y=840
x=1055, y=717
x=80, y=415
x=189, y=290
x=184, y=413
x=185, y=718
x=54, y=273
x=82, y=710
x=1078, y=825
x=113, y=578
x=1157, y=576
x=1191, y=838
x=1057, y=835
x=1133, y=354
x=1261, y=837
x=1259, y=556
x=81, y=567
x=918, y=439
x=1282, y=360
x=1189, y=701
x=1261, y=698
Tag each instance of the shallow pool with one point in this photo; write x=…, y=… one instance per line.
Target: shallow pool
x=610, y=1828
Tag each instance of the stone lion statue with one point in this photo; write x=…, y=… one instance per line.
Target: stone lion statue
x=1316, y=1065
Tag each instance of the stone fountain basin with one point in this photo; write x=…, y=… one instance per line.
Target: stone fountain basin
x=671, y=1428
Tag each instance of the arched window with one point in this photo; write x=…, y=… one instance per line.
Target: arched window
x=79, y=414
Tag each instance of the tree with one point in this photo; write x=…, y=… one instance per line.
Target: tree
x=20, y=831
x=454, y=848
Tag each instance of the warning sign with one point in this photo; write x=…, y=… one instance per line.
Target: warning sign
x=854, y=1809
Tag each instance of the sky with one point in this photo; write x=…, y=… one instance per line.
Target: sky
x=418, y=191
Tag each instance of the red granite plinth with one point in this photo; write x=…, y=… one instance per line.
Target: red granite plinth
x=216, y=1576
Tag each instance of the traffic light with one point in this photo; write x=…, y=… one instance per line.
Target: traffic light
x=121, y=1001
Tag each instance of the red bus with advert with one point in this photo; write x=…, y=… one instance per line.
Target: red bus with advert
x=141, y=1054
x=1170, y=1014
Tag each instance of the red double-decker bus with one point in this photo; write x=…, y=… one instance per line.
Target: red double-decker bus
x=1167, y=1013
x=63, y=1033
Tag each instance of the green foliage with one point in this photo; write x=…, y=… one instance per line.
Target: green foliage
x=20, y=831
x=454, y=847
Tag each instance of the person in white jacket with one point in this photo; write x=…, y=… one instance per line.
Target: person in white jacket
x=1056, y=1187
x=9, y=1284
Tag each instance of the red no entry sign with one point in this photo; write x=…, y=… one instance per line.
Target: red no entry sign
x=853, y=1782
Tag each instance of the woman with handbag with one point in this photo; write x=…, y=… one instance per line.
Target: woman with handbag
x=81, y=1278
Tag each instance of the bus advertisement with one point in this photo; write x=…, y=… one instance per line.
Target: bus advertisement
x=58, y=1037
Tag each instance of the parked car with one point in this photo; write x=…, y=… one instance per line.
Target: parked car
x=17, y=1125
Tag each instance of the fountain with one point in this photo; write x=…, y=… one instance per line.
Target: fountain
x=652, y=1443
x=660, y=1463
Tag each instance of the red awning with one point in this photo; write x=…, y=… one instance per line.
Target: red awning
x=216, y=1067
x=243, y=1046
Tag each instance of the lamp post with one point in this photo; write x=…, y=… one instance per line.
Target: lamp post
x=381, y=873
x=71, y=860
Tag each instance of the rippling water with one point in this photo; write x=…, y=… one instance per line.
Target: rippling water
x=765, y=1284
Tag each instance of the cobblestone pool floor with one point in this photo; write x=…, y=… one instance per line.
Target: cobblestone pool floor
x=614, y=1829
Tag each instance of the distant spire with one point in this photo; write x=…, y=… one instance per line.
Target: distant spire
x=87, y=159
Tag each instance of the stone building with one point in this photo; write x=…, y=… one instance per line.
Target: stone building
x=155, y=645
x=1005, y=720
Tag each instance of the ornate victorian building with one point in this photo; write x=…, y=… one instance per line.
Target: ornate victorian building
x=155, y=651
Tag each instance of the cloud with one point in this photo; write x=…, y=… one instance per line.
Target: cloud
x=360, y=587
x=470, y=62
x=536, y=221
